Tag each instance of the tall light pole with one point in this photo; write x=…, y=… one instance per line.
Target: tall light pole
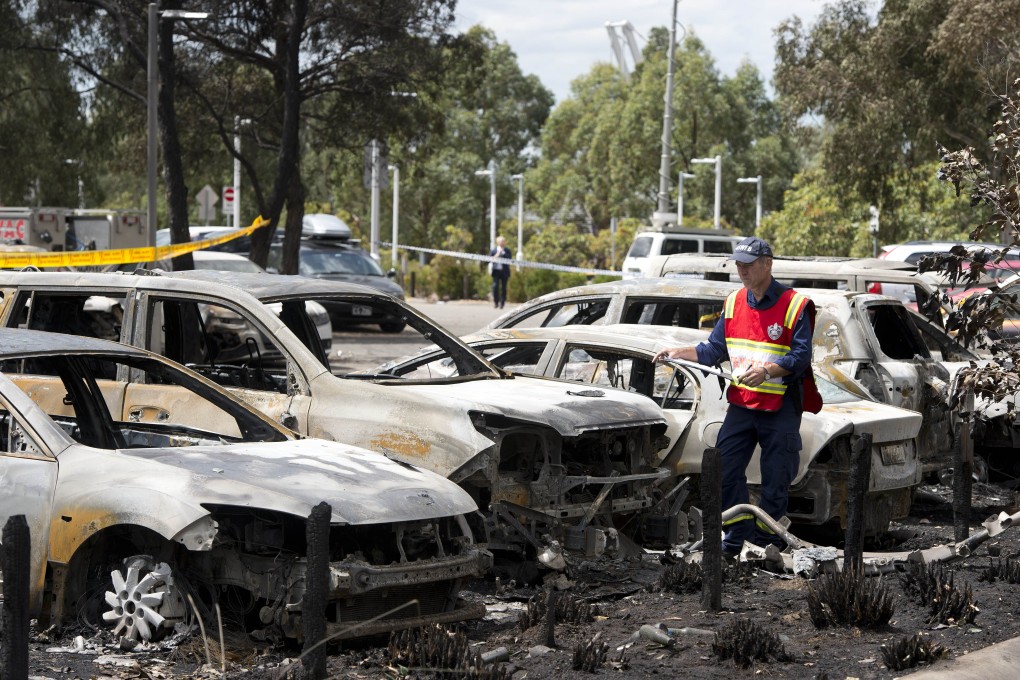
x=717, y=160
x=757, y=211
x=396, y=212
x=152, y=75
x=520, y=215
x=491, y=172
x=667, y=122
x=680, y=196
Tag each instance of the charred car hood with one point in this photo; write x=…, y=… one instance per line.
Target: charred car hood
x=570, y=408
x=295, y=476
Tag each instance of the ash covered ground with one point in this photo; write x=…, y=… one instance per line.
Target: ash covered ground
x=603, y=606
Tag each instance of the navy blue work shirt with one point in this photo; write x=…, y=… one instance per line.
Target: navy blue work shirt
x=713, y=351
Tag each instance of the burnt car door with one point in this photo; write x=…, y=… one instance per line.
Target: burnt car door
x=905, y=374
x=226, y=344
x=28, y=469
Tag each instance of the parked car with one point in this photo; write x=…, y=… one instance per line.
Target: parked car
x=535, y=454
x=623, y=356
x=884, y=277
x=869, y=344
x=669, y=240
x=913, y=251
x=327, y=252
x=143, y=483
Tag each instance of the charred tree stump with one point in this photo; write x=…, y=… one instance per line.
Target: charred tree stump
x=550, y=618
x=963, y=470
x=313, y=605
x=711, y=506
x=860, y=479
x=15, y=559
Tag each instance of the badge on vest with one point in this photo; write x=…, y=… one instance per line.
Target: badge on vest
x=775, y=330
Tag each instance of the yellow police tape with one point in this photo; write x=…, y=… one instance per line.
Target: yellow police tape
x=92, y=258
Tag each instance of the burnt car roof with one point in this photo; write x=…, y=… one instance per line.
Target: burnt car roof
x=20, y=342
x=261, y=285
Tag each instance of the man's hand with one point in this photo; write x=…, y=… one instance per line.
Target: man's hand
x=687, y=353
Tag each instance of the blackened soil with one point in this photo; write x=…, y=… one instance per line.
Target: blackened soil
x=624, y=597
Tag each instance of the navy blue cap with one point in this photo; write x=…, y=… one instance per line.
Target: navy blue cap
x=750, y=249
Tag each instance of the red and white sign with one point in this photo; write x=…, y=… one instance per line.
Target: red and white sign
x=12, y=229
x=228, y=198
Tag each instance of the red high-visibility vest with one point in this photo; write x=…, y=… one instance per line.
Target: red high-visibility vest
x=755, y=337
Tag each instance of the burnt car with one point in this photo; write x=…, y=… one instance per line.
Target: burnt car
x=622, y=356
x=144, y=483
x=543, y=460
x=869, y=344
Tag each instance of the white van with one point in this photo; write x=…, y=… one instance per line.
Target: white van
x=671, y=240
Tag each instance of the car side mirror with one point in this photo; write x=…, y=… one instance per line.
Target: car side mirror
x=392, y=273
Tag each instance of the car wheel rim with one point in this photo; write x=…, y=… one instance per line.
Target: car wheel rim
x=137, y=598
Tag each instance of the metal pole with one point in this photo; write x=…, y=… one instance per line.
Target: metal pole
x=520, y=216
x=680, y=196
x=492, y=205
x=237, y=173
x=667, y=121
x=374, y=247
x=152, y=92
x=757, y=212
x=718, y=189
x=396, y=213
x=612, y=243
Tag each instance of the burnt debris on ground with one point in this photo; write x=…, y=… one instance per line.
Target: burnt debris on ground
x=626, y=616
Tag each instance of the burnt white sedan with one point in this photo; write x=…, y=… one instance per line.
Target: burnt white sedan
x=143, y=483
x=621, y=356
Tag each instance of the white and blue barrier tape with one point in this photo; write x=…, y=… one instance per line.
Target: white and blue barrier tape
x=590, y=271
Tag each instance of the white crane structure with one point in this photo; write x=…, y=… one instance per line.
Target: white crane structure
x=627, y=29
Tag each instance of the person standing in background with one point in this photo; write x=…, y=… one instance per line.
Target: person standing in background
x=500, y=269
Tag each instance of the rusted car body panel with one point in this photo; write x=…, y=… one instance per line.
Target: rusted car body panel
x=621, y=355
x=532, y=445
x=229, y=509
x=868, y=344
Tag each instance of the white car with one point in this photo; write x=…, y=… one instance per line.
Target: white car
x=621, y=356
x=143, y=482
x=869, y=344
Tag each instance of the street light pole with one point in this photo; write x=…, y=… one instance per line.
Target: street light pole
x=152, y=90
x=238, y=121
x=396, y=213
x=520, y=215
x=680, y=196
x=717, y=160
x=491, y=172
x=757, y=211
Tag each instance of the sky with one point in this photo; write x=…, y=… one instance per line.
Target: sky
x=558, y=40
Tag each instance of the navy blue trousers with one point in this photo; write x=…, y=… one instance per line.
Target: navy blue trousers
x=778, y=434
x=499, y=282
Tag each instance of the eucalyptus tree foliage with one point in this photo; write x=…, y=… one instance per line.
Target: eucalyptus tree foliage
x=601, y=147
x=989, y=318
x=483, y=108
x=41, y=123
x=888, y=84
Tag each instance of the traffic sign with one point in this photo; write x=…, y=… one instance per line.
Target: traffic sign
x=207, y=200
x=228, y=198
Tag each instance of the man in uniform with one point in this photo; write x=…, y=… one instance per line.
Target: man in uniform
x=765, y=333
